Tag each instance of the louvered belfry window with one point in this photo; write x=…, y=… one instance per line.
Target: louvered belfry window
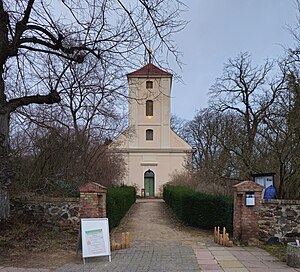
x=149, y=84
x=149, y=135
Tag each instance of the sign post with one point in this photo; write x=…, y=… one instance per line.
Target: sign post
x=95, y=238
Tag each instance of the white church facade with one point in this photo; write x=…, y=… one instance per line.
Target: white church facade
x=152, y=151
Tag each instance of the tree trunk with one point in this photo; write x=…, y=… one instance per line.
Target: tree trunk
x=281, y=180
x=6, y=170
x=4, y=203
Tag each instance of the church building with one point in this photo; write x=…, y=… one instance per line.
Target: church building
x=152, y=151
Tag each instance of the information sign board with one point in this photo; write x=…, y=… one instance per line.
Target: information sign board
x=95, y=238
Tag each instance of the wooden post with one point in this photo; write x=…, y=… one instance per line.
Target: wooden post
x=127, y=239
x=118, y=246
x=222, y=238
x=123, y=242
x=215, y=234
x=227, y=239
x=113, y=244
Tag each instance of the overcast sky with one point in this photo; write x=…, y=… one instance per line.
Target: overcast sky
x=219, y=30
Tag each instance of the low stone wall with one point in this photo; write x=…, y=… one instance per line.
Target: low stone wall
x=272, y=221
x=279, y=220
x=61, y=212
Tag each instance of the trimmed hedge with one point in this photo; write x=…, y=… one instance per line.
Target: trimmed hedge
x=174, y=196
x=199, y=209
x=118, y=202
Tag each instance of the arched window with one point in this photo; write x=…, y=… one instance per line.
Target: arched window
x=149, y=84
x=149, y=174
x=149, y=135
x=149, y=108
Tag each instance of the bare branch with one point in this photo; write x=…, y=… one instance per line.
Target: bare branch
x=50, y=98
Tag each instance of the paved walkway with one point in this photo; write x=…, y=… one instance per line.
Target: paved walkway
x=161, y=244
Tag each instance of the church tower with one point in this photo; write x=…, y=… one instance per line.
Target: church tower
x=149, y=112
x=152, y=150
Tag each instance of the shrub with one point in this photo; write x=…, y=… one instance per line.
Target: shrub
x=200, y=209
x=174, y=197
x=118, y=202
x=204, y=181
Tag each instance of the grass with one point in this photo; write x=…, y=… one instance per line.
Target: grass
x=278, y=251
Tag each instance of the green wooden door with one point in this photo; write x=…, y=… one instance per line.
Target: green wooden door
x=149, y=183
x=149, y=186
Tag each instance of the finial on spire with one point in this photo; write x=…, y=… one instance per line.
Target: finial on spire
x=150, y=54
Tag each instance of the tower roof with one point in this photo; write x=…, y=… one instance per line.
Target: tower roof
x=149, y=70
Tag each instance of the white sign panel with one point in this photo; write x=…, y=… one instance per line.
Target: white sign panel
x=95, y=237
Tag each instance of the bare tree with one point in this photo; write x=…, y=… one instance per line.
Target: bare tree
x=248, y=92
x=214, y=137
x=280, y=131
x=92, y=101
x=59, y=160
x=33, y=31
x=178, y=125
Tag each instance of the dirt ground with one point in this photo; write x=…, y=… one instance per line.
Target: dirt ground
x=27, y=244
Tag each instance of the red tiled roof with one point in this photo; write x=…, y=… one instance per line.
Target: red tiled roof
x=149, y=70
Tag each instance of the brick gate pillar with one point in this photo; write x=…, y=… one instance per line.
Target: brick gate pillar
x=247, y=203
x=92, y=200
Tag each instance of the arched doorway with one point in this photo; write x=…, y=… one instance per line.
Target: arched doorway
x=149, y=183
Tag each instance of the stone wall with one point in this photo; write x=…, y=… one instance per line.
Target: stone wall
x=61, y=212
x=279, y=220
x=271, y=221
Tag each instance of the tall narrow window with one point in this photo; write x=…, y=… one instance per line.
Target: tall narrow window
x=149, y=108
x=149, y=84
x=149, y=135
